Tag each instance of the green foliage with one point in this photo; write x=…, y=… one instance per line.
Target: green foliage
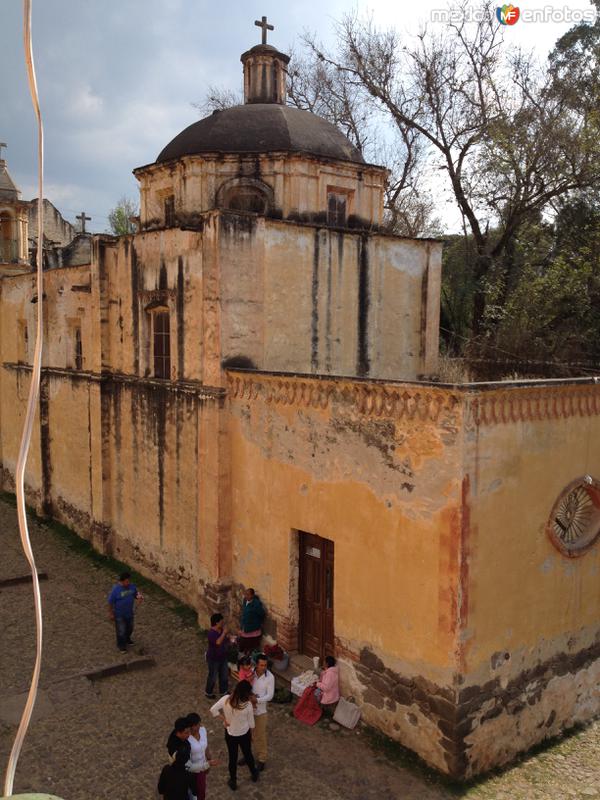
x=120, y=217
x=542, y=298
x=553, y=312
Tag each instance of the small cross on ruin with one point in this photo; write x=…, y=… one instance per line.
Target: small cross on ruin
x=2, y=144
x=82, y=218
x=265, y=27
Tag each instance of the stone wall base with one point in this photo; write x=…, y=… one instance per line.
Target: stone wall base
x=539, y=704
x=464, y=731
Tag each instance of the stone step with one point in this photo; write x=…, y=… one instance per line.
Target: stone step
x=297, y=665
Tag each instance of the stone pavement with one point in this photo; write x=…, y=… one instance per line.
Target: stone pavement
x=105, y=740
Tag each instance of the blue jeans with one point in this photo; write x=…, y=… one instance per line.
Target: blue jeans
x=124, y=629
x=220, y=669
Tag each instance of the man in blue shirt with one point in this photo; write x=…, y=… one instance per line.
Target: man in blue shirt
x=121, y=604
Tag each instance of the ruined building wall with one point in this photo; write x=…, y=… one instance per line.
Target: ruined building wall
x=56, y=228
x=531, y=641
x=375, y=468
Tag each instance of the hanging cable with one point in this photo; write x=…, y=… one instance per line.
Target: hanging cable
x=32, y=402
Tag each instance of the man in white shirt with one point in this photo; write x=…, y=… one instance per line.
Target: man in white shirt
x=263, y=687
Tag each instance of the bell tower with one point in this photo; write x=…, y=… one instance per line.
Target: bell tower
x=14, y=225
x=265, y=71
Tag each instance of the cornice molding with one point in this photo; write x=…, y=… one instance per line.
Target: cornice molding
x=375, y=400
x=527, y=404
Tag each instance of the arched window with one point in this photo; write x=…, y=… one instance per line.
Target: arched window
x=246, y=199
x=245, y=194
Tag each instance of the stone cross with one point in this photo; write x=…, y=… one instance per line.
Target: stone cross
x=82, y=218
x=265, y=27
x=2, y=144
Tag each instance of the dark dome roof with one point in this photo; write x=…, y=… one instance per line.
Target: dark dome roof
x=262, y=128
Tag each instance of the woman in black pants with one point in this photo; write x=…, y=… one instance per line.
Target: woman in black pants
x=237, y=713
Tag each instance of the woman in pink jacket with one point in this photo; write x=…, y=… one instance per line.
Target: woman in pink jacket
x=329, y=684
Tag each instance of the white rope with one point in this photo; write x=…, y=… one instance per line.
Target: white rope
x=32, y=402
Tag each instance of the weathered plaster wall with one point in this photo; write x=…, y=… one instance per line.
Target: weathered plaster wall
x=56, y=229
x=152, y=471
x=298, y=186
x=15, y=387
x=508, y=651
x=530, y=648
x=136, y=273
x=462, y=631
x=134, y=464
x=312, y=300
x=376, y=468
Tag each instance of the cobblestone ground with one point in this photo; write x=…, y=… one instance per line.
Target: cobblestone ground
x=106, y=740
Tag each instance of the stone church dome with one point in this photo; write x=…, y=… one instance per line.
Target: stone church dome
x=264, y=123
x=262, y=128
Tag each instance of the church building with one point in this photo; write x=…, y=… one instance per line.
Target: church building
x=243, y=393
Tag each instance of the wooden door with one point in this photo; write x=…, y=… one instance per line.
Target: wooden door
x=316, y=596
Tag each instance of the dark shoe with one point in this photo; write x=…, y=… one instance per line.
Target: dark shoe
x=260, y=765
x=210, y=696
x=255, y=775
x=232, y=784
x=242, y=762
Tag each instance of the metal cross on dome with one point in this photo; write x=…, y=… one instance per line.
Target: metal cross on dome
x=265, y=27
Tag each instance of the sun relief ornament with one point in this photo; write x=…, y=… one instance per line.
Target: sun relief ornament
x=574, y=524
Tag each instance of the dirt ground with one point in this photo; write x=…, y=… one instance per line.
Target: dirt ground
x=105, y=739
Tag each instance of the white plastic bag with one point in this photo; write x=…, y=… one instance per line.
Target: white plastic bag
x=346, y=713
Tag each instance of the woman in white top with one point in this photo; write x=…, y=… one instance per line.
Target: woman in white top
x=200, y=760
x=237, y=714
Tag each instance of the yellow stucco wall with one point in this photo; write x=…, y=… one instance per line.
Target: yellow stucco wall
x=532, y=614
x=462, y=630
x=313, y=300
x=522, y=589
x=365, y=480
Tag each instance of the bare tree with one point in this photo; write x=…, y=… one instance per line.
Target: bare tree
x=317, y=85
x=508, y=141
x=218, y=99
x=339, y=97
x=314, y=85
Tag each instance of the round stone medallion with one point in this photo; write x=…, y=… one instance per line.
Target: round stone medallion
x=574, y=524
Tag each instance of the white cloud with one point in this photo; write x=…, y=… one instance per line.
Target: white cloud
x=117, y=79
x=83, y=102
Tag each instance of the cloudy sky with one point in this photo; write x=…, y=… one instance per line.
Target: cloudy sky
x=117, y=78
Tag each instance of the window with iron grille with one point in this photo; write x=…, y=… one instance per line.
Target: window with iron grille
x=161, y=337
x=78, y=348
x=336, y=209
x=169, y=211
x=23, y=343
